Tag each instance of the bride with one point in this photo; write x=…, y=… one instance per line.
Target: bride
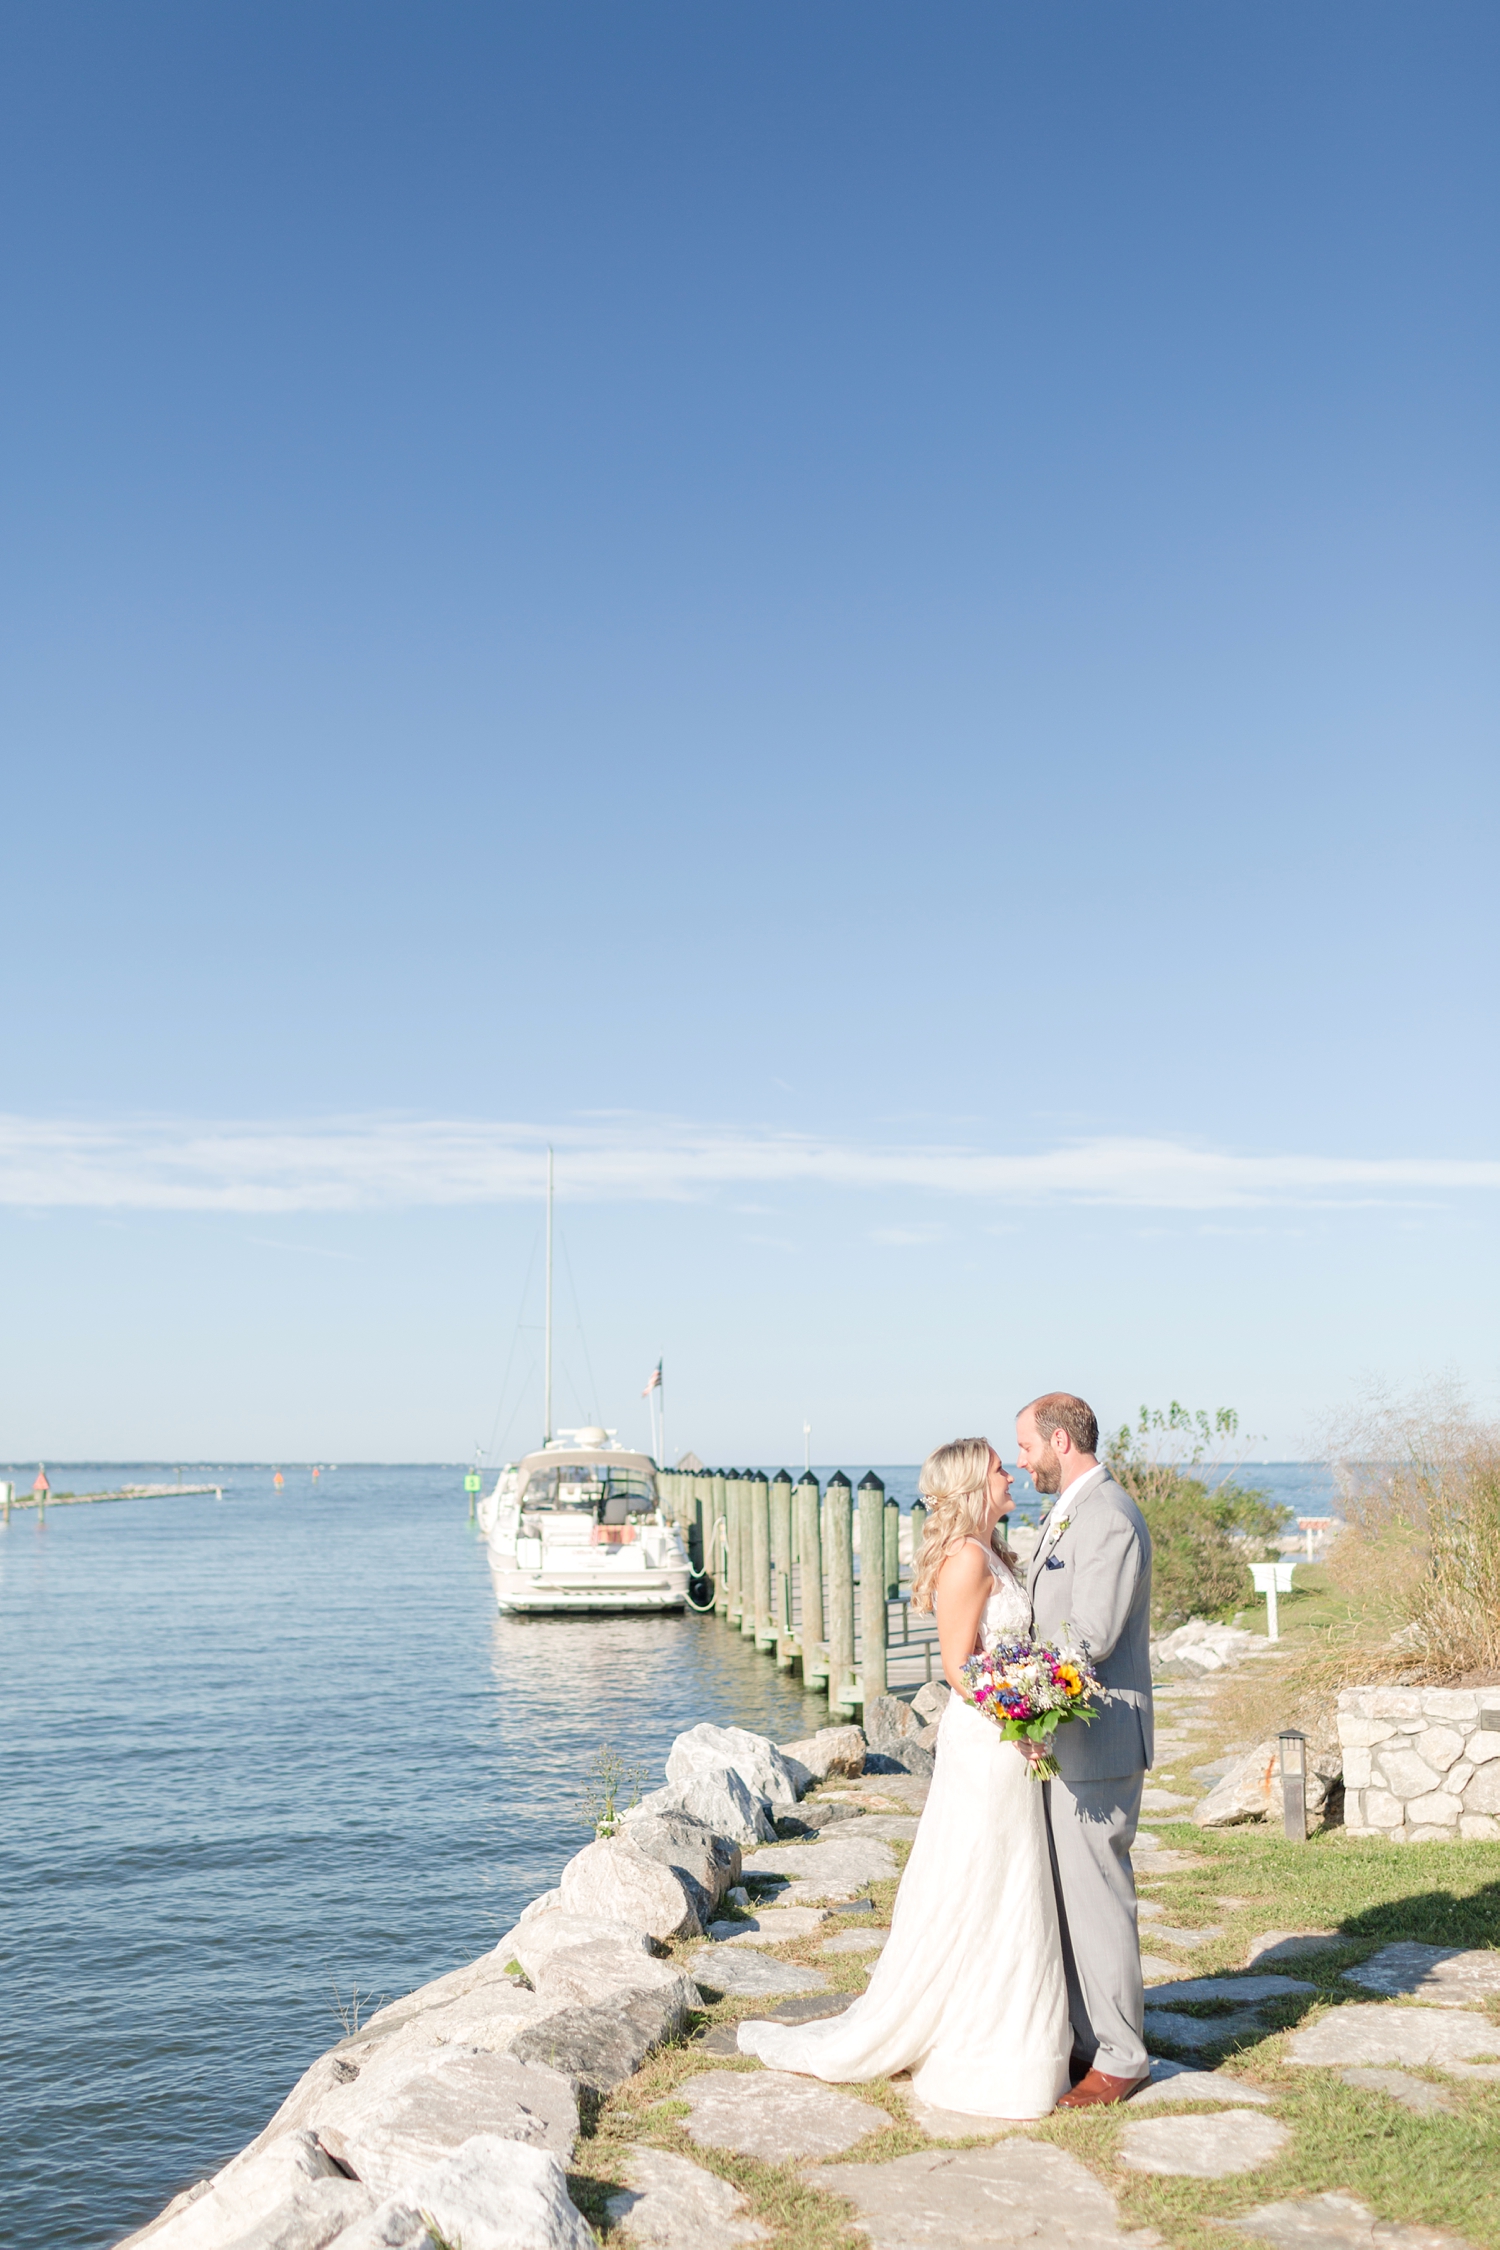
x=969, y=1994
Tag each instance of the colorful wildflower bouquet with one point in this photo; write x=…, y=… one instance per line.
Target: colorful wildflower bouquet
x=1031, y=1688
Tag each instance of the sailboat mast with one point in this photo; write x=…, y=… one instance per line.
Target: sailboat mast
x=547, y=1407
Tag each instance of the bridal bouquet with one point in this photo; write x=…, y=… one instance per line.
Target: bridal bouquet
x=1030, y=1689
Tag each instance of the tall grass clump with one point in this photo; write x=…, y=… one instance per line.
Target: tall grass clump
x=1205, y=1526
x=1420, y=1485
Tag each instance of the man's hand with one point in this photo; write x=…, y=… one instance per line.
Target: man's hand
x=1033, y=1752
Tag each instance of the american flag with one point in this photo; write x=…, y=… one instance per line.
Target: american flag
x=655, y=1382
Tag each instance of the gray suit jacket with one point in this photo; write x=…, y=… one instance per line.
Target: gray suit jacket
x=1091, y=1582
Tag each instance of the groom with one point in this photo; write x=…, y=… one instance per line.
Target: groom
x=1091, y=1581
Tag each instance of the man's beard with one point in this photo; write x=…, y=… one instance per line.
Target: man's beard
x=1047, y=1475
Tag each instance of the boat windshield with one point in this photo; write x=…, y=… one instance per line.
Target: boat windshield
x=608, y=1495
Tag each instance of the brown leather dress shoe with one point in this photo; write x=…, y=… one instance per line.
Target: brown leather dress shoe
x=1099, y=2088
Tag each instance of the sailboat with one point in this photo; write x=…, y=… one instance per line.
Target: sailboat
x=578, y=1525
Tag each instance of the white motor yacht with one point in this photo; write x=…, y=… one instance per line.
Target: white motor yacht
x=577, y=1526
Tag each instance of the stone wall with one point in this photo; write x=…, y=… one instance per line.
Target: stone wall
x=1421, y=1765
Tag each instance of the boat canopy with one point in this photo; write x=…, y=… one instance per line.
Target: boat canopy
x=610, y=1485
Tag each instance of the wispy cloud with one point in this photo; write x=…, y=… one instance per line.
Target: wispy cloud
x=364, y=1164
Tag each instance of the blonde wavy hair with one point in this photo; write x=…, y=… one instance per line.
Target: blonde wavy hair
x=952, y=1482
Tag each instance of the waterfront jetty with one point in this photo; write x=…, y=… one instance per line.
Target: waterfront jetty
x=41, y=1497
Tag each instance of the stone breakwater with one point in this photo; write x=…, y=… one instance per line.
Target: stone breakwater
x=452, y=2113
x=1421, y=1765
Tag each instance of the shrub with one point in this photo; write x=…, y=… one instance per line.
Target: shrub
x=1420, y=1482
x=1204, y=1526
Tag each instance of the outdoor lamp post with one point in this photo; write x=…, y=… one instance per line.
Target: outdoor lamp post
x=1294, y=1784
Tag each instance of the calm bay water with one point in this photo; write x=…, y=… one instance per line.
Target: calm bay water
x=257, y=1747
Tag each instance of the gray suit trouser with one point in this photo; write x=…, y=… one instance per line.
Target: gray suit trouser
x=1091, y=1827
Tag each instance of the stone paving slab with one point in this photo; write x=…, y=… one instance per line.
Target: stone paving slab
x=1162, y=1801
x=955, y=2124
x=855, y=1941
x=1154, y=1969
x=1203, y=2148
x=775, y=2114
x=1193, y=2032
x=1437, y=1972
x=1017, y=2192
x=672, y=2204
x=1173, y=2082
x=1292, y=1945
x=1382, y=2031
x=1253, y=1991
x=742, y=1973
x=838, y=1866
x=1337, y=2222
x=773, y=1925
x=1167, y=1933
x=1411, y=2093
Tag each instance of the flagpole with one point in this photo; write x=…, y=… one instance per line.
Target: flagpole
x=662, y=1410
x=547, y=1403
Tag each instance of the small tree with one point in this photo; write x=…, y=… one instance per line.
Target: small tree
x=1204, y=1526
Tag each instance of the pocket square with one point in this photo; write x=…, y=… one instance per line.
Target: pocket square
x=1055, y=1562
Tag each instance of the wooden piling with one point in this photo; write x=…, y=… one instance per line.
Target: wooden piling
x=892, y=1549
x=720, y=1564
x=700, y=1520
x=810, y=1581
x=918, y=1534
x=838, y=1517
x=873, y=1619
x=763, y=1622
x=781, y=1571
x=732, y=1520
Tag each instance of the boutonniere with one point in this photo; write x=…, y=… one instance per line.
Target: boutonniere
x=1060, y=1526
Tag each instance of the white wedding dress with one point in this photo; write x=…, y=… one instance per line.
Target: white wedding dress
x=969, y=1994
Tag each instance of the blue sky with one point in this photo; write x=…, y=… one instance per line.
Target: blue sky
x=880, y=621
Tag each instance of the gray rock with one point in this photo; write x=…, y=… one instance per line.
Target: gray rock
x=838, y=1866
x=906, y=1755
x=1253, y=1991
x=534, y=1944
x=1399, y=2086
x=773, y=1925
x=582, y=1976
x=290, y=2188
x=718, y=1799
x=1251, y=1790
x=1018, y=2191
x=491, y=2194
x=1436, y=1972
x=1292, y=1945
x=1173, y=2082
x=1377, y=2031
x=774, y=2115
x=693, y=1850
x=887, y=1718
x=931, y=1700
x=613, y=1881
x=707, y=1749
x=598, y=2048
x=829, y=1752
x=1203, y=2148
x=1337, y=2222
x=671, y=2204
x=386, y=2143
x=746, y=1974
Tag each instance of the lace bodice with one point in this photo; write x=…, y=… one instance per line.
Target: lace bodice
x=1008, y=1610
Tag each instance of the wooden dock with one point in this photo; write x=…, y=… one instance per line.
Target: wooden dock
x=784, y=1566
